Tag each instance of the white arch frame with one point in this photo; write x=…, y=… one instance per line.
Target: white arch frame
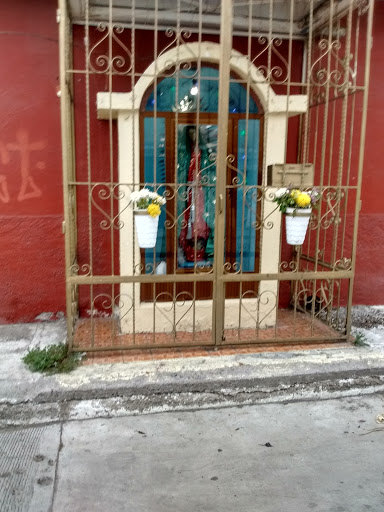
x=125, y=107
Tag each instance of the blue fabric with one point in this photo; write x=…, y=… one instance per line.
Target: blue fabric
x=154, y=157
x=248, y=163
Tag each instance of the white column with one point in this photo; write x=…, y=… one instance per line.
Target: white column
x=275, y=137
x=129, y=174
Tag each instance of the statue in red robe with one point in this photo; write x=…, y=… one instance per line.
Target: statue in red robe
x=195, y=231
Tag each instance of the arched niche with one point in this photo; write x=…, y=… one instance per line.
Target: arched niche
x=125, y=107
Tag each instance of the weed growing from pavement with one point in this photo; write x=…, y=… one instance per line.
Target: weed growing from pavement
x=360, y=340
x=52, y=359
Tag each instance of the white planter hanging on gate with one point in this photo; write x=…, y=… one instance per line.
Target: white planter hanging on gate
x=147, y=209
x=297, y=206
x=146, y=229
x=296, y=224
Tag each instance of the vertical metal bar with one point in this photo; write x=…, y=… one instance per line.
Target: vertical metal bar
x=343, y=131
x=155, y=85
x=132, y=185
x=368, y=47
x=295, y=285
x=89, y=167
x=155, y=148
x=352, y=109
x=308, y=120
x=323, y=151
x=221, y=166
x=325, y=131
x=67, y=160
x=175, y=176
x=332, y=144
x=199, y=65
x=111, y=164
x=243, y=180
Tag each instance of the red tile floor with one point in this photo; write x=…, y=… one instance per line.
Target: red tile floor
x=104, y=333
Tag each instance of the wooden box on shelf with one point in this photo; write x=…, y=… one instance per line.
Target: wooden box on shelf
x=296, y=175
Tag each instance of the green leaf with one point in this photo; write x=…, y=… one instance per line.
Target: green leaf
x=53, y=359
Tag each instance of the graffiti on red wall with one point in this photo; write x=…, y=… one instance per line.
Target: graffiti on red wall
x=23, y=147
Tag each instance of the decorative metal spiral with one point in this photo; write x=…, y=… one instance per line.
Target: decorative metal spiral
x=104, y=63
x=85, y=269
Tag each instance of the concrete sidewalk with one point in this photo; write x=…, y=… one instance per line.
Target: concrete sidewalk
x=321, y=456
x=121, y=389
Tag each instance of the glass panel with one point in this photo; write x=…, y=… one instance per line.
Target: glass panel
x=194, y=89
x=248, y=163
x=154, y=161
x=196, y=178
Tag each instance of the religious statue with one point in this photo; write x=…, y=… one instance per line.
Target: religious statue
x=194, y=232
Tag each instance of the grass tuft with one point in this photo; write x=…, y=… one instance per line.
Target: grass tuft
x=53, y=359
x=360, y=340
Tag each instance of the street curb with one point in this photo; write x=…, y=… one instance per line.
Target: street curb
x=129, y=398
x=143, y=387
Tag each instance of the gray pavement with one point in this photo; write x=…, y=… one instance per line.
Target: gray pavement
x=281, y=432
x=317, y=456
x=113, y=390
x=28, y=460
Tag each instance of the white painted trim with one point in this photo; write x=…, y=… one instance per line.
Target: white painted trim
x=125, y=107
x=207, y=53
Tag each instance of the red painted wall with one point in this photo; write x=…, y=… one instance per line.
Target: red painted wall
x=31, y=210
x=369, y=281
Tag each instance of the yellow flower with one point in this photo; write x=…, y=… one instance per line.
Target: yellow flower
x=295, y=192
x=303, y=200
x=154, y=210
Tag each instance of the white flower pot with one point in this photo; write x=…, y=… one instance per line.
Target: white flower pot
x=146, y=229
x=296, y=225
